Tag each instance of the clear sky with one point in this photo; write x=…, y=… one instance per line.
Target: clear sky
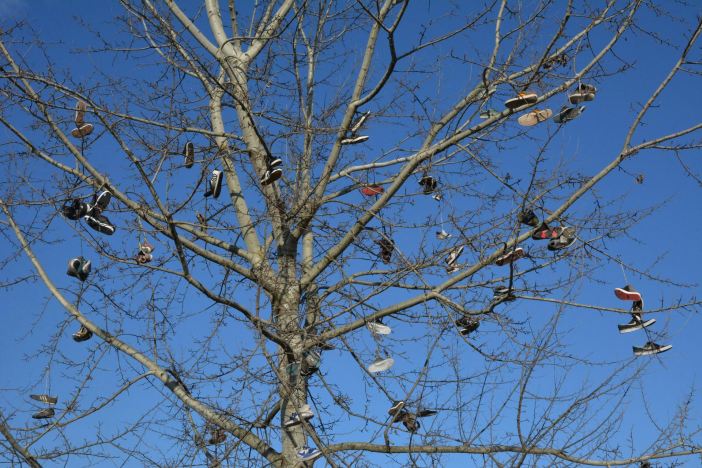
x=663, y=243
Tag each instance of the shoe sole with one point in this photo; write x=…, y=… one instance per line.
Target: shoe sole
x=625, y=295
x=217, y=189
x=521, y=101
x=379, y=329
x=511, y=257
x=648, y=352
x=381, y=366
x=627, y=328
x=82, y=131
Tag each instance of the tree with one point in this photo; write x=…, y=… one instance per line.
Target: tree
x=216, y=319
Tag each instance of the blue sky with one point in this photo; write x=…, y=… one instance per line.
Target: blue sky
x=662, y=243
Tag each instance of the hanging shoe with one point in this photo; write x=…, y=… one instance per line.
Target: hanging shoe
x=378, y=328
x=310, y=363
x=146, y=247
x=308, y=454
x=79, y=268
x=584, y=92
x=44, y=414
x=215, y=184
x=437, y=196
x=189, y=154
x=296, y=419
x=543, y=232
x=48, y=399
x=82, y=131
x=356, y=126
x=354, y=140
x=566, y=114
x=442, y=235
x=381, y=365
x=218, y=436
x=528, y=217
x=627, y=293
x=467, y=325
x=428, y=184
x=534, y=117
x=100, y=223
x=79, y=117
x=522, y=99
x=453, y=255
x=650, y=348
x=510, y=256
x=396, y=407
x=74, y=210
x=372, y=190
x=566, y=239
x=636, y=323
x=83, y=334
x=410, y=422
x=100, y=202
x=143, y=258
x=425, y=413
x=271, y=175
x=386, y=248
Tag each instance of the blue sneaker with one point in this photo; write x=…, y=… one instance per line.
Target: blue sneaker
x=308, y=454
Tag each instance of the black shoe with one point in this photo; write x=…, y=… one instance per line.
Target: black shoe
x=215, y=184
x=470, y=327
x=423, y=413
x=566, y=114
x=386, y=248
x=529, y=218
x=48, y=399
x=636, y=323
x=650, y=348
x=396, y=407
x=189, y=153
x=44, y=414
x=100, y=223
x=100, y=202
x=271, y=176
x=79, y=268
x=428, y=184
x=83, y=334
x=74, y=210
x=274, y=162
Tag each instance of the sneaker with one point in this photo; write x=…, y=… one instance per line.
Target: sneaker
x=543, y=232
x=521, y=100
x=356, y=126
x=437, y=196
x=146, y=247
x=271, y=175
x=218, y=436
x=636, y=323
x=467, y=325
x=386, y=248
x=566, y=239
x=82, y=131
x=83, y=334
x=100, y=223
x=100, y=202
x=372, y=190
x=215, y=184
x=650, y=348
x=628, y=293
x=453, y=255
x=189, y=153
x=429, y=184
x=310, y=363
x=451, y=269
x=396, y=407
x=442, y=235
x=308, y=454
x=566, y=114
x=48, y=399
x=273, y=162
x=410, y=422
x=79, y=117
x=44, y=414
x=378, y=328
x=297, y=418
x=500, y=291
x=424, y=413
x=74, y=210
x=354, y=140
x=534, y=117
x=584, y=92
x=79, y=268
x=528, y=217
x=142, y=258
x=510, y=257
x=488, y=114
x=381, y=365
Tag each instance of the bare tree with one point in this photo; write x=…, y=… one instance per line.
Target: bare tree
x=381, y=180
